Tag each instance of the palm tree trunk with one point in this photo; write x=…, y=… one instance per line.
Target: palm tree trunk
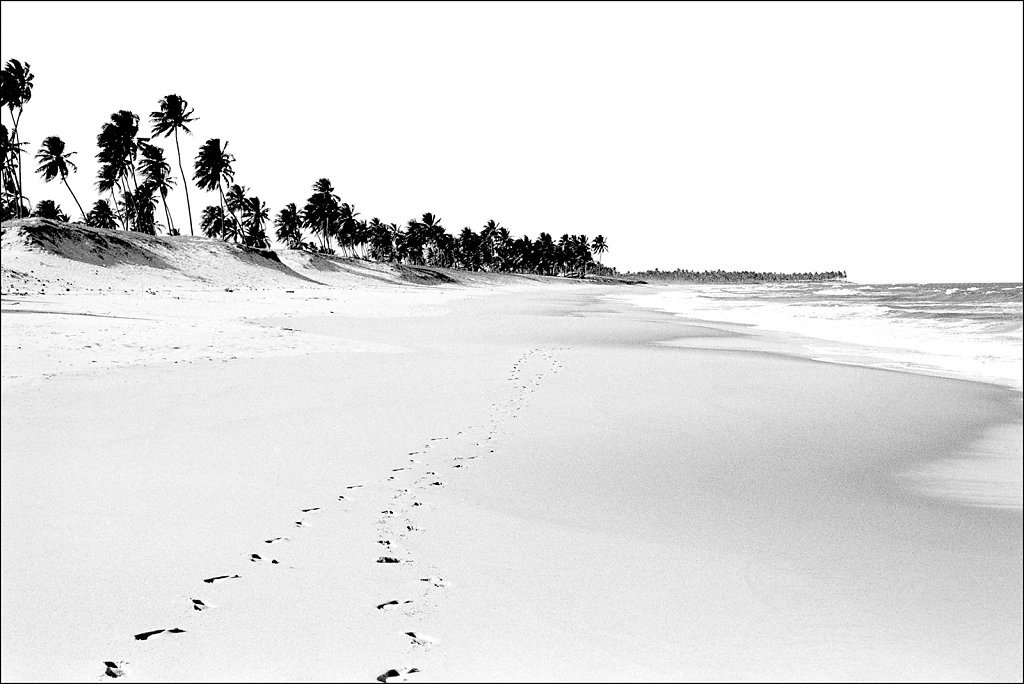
x=126, y=196
x=184, y=183
x=65, y=179
x=167, y=213
x=17, y=135
x=221, y=200
x=120, y=218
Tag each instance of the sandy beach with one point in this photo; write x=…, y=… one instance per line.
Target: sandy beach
x=563, y=496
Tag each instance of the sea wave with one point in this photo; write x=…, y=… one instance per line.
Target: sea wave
x=964, y=331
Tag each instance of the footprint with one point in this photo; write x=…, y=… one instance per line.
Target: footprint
x=199, y=605
x=388, y=559
x=114, y=670
x=256, y=558
x=394, y=674
x=395, y=470
x=391, y=603
x=211, y=580
x=142, y=636
x=310, y=510
x=421, y=639
x=435, y=581
x=275, y=540
x=299, y=523
x=353, y=486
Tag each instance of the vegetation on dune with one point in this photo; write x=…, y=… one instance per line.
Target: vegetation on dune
x=48, y=209
x=139, y=178
x=174, y=115
x=55, y=161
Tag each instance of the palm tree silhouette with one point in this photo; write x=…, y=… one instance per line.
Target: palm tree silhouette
x=11, y=205
x=212, y=170
x=48, y=209
x=600, y=246
x=175, y=115
x=119, y=146
x=212, y=222
x=16, y=90
x=235, y=201
x=54, y=162
x=255, y=214
x=322, y=211
x=157, y=174
x=289, y=228
x=100, y=216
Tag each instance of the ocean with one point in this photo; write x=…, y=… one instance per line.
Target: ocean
x=963, y=330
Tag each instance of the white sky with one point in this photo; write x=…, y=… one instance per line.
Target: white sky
x=880, y=138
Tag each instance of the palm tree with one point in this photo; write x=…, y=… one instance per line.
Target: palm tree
x=119, y=146
x=212, y=222
x=16, y=90
x=156, y=173
x=382, y=240
x=175, y=115
x=347, y=230
x=212, y=170
x=600, y=246
x=54, y=162
x=48, y=209
x=11, y=205
x=255, y=214
x=322, y=213
x=144, y=207
x=289, y=228
x=107, y=182
x=100, y=216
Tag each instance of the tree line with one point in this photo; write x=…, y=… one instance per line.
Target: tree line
x=720, y=276
x=137, y=176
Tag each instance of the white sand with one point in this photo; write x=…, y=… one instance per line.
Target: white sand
x=621, y=510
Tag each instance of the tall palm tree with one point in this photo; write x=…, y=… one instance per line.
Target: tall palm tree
x=100, y=216
x=156, y=173
x=289, y=226
x=54, y=162
x=213, y=169
x=322, y=213
x=600, y=246
x=11, y=205
x=16, y=90
x=119, y=146
x=175, y=115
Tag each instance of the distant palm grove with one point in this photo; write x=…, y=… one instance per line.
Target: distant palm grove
x=719, y=276
x=136, y=177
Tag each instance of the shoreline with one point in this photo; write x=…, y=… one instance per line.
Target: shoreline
x=609, y=507
x=988, y=470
